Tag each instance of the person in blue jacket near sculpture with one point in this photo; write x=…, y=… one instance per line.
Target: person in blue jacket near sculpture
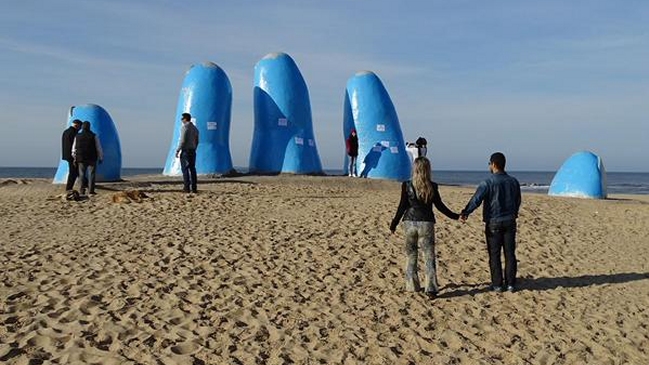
x=501, y=195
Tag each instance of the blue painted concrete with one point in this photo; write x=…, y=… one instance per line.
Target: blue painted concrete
x=283, y=139
x=102, y=125
x=381, y=149
x=206, y=94
x=582, y=176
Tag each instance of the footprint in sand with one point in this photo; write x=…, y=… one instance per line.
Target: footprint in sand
x=39, y=341
x=184, y=348
x=176, y=321
x=88, y=308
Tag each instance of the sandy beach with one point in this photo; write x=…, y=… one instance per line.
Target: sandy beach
x=303, y=270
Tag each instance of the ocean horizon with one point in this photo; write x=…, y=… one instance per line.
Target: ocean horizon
x=531, y=181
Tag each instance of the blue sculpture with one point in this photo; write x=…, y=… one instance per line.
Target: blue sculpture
x=381, y=149
x=102, y=125
x=283, y=139
x=206, y=94
x=581, y=176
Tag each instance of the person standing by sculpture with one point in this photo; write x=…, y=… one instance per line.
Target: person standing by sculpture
x=501, y=194
x=418, y=196
x=67, y=140
x=186, y=151
x=87, y=151
x=352, y=151
x=422, y=147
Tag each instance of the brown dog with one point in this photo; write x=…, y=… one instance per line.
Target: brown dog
x=129, y=196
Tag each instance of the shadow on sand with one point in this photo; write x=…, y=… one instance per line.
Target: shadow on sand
x=546, y=283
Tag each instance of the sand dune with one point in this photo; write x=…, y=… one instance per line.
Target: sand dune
x=303, y=270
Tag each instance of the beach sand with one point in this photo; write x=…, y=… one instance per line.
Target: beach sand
x=303, y=270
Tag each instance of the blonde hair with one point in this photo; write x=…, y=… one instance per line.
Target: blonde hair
x=421, y=179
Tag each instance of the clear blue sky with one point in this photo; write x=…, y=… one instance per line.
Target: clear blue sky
x=538, y=80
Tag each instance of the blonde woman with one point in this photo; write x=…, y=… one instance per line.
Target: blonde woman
x=418, y=196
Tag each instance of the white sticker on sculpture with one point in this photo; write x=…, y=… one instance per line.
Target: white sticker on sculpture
x=394, y=149
x=311, y=143
x=282, y=122
x=385, y=143
x=211, y=125
x=377, y=148
x=299, y=140
x=380, y=127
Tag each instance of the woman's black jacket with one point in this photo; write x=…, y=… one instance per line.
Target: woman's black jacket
x=413, y=209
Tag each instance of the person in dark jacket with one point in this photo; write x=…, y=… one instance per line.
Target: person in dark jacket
x=422, y=146
x=186, y=151
x=352, y=151
x=87, y=152
x=67, y=140
x=416, y=208
x=501, y=194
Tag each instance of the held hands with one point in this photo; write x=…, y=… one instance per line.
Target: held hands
x=463, y=216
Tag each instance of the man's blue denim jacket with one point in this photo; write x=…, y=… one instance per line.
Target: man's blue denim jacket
x=501, y=195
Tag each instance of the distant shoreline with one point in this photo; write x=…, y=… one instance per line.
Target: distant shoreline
x=159, y=178
x=532, y=181
x=240, y=168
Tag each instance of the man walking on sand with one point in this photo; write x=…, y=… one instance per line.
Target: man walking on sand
x=87, y=152
x=186, y=151
x=67, y=140
x=501, y=195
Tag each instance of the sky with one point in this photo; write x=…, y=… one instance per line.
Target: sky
x=537, y=80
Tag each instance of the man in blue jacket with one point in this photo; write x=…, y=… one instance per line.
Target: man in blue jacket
x=501, y=195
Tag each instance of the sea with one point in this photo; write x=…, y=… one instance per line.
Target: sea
x=531, y=181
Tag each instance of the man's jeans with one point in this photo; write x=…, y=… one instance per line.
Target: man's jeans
x=502, y=236
x=188, y=167
x=87, y=177
x=73, y=173
x=419, y=233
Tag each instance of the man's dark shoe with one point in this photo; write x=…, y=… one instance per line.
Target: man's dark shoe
x=431, y=294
